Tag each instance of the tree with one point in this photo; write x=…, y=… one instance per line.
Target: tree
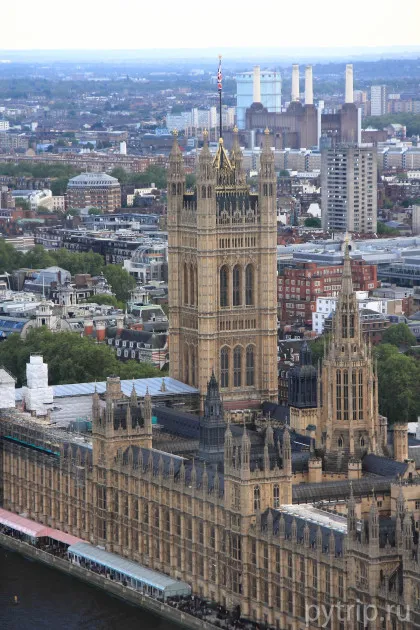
x=120, y=280
x=132, y=369
x=399, y=335
x=313, y=222
x=317, y=348
x=22, y=203
x=38, y=258
x=190, y=180
x=398, y=384
x=381, y=228
x=10, y=258
x=79, y=262
x=59, y=186
x=120, y=173
x=95, y=211
x=70, y=358
x=105, y=298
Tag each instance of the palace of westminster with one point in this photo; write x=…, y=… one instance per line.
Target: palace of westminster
x=322, y=510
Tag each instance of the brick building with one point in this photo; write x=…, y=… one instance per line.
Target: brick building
x=97, y=190
x=299, y=286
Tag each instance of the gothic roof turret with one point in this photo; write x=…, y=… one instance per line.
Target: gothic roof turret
x=267, y=157
x=303, y=380
x=212, y=424
x=236, y=157
x=176, y=162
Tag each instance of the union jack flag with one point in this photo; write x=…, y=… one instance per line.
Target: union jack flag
x=219, y=75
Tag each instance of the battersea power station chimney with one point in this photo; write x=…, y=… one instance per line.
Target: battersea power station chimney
x=309, y=88
x=295, y=82
x=349, y=83
x=256, y=85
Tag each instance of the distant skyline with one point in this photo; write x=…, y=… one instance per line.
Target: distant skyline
x=186, y=24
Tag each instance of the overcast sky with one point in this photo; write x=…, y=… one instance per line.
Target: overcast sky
x=140, y=24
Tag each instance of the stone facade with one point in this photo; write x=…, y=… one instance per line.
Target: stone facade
x=266, y=519
x=222, y=276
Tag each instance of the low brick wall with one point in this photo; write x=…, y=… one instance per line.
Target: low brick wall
x=122, y=592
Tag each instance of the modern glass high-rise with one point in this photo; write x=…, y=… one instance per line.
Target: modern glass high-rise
x=270, y=82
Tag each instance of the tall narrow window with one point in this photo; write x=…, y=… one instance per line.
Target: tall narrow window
x=224, y=286
x=224, y=367
x=360, y=395
x=351, y=335
x=193, y=366
x=354, y=394
x=187, y=365
x=236, y=283
x=250, y=366
x=192, y=285
x=185, y=283
x=237, y=367
x=249, y=285
x=257, y=498
x=338, y=394
x=344, y=325
x=346, y=394
x=276, y=496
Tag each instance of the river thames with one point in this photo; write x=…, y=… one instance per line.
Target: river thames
x=51, y=600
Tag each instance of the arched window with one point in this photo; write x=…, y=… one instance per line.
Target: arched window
x=224, y=286
x=237, y=367
x=192, y=285
x=186, y=365
x=173, y=188
x=224, y=367
x=257, y=498
x=276, y=496
x=203, y=192
x=236, y=283
x=249, y=285
x=185, y=283
x=179, y=189
x=209, y=195
x=250, y=366
x=340, y=442
x=362, y=442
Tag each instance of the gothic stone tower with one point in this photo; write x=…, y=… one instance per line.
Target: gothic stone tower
x=222, y=276
x=119, y=422
x=349, y=421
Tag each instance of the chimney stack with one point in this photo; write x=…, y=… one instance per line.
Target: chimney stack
x=256, y=85
x=295, y=82
x=349, y=83
x=100, y=331
x=88, y=326
x=120, y=324
x=309, y=88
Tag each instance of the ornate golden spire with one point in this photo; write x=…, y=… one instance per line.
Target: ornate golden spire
x=221, y=161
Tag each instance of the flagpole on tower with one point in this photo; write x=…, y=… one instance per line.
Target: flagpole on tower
x=219, y=87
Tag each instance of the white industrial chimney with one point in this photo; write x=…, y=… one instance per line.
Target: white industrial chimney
x=309, y=87
x=256, y=85
x=295, y=82
x=349, y=83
